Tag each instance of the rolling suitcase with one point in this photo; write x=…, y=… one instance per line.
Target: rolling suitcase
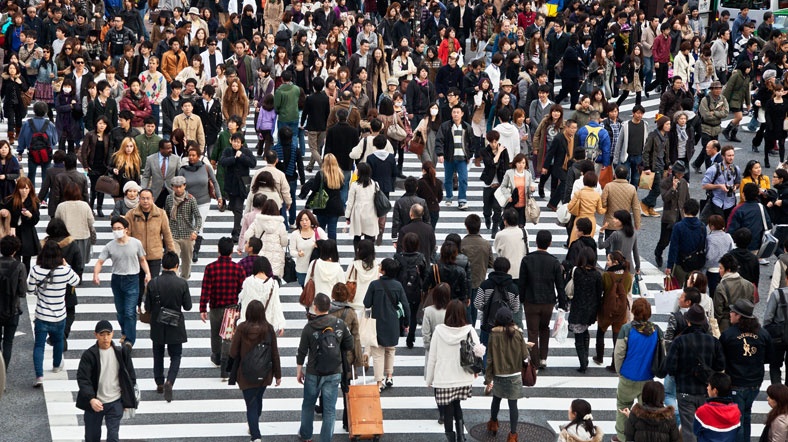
x=364, y=414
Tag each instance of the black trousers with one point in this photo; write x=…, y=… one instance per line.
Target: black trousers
x=664, y=238
x=571, y=87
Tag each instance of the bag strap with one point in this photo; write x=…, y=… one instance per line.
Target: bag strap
x=388, y=293
x=436, y=274
x=353, y=270
x=270, y=295
x=763, y=217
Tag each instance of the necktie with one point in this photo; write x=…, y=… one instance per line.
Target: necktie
x=163, y=167
x=212, y=61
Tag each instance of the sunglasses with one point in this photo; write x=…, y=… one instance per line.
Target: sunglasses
x=68, y=49
x=79, y=62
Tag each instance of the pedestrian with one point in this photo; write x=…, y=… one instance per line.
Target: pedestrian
x=453, y=143
x=506, y=350
x=413, y=271
x=166, y=297
x=423, y=230
x=655, y=161
x=434, y=315
x=776, y=427
x=237, y=162
x=263, y=286
x=718, y=418
x=150, y=224
x=303, y=240
x=480, y=257
x=497, y=292
x=623, y=239
x=249, y=341
x=586, y=302
x=363, y=270
x=270, y=228
x=687, y=244
x=14, y=272
x=581, y=426
x=731, y=289
x=78, y=219
x=512, y=241
x=451, y=381
x=650, y=419
x=185, y=222
x=331, y=179
x=341, y=308
x=23, y=206
x=450, y=272
x=106, y=380
x=614, y=310
x=431, y=189
x=325, y=270
x=674, y=190
x=200, y=179
x=777, y=313
x=722, y=180
x=361, y=204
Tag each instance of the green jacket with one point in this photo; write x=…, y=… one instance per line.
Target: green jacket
x=286, y=102
x=504, y=355
x=147, y=146
x=737, y=90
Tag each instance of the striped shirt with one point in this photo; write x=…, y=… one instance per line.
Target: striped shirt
x=51, y=291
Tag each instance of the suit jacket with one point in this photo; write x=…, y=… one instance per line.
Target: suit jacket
x=556, y=153
x=87, y=78
x=59, y=185
x=151, y=175
x=212, y=119
x=468, y=21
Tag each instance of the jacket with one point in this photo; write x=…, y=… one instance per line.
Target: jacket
x=273, y=234
x=316, y=111
x=167, y=291
x=673, y=199
x=59, y=186
x=90, y=369
x=172, y=64
x=383, y=297
x=745, y=355
x=557, y=153
x=360, y=205
x=238, y=168
x=96, y=109
x=588, y=296
x=621, y=150
x=340, y=140
x=686, y=351
x=152, y=178
x=737, y=90
x=505, y=354
x=718, y=420
x=673, y=140
x=246, y=337
x=444, y=141
x=480, y=257
x=688, y=235
x=140, y=107
x=286, y=102
x=486, y=290
x=573, y=65
x=620, y=195
x=384, y=170
x=426, y=234
x=17, y=275
x=267, y=292
x=731, y=288
x=655, y=152
x=749, y=268
x=211, y=119
x=541, y=280
x=400, y=215
x=749, y=215
x=335, y=205
x=634, y=350
x=443, y=369
x=345, y=312
x=432, y=194
x=712, y=112
x=649, y=424
x=511, y=243
x=153, y=232
x=308, y=343
x=673, y=101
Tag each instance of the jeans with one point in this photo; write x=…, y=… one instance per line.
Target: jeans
x=648, y=69
x=329, y=224
x=111, y=415
x=744, y=397
x=175, y=351
x=55, y=331
x=125, y=290
x=328, y=388
x=7, y=333
x=651, y=199
x=31, y=171
x=301, y=278
x=254, y=408
x=345, y=186
x=670, y=396
x=293, y=186
x=688, y=404
x=461, y=167
x=634, y=162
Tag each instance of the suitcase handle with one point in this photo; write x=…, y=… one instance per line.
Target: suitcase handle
x=353, y=376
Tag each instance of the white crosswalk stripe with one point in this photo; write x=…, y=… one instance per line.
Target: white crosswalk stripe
x=204, y=408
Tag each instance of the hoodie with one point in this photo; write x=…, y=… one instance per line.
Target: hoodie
x=510, y=137
x=717, y=420
x=272, y=232
x=309, y=335
x=326, y=274
x=443, y=368
x=487, y=289
x=262, y=290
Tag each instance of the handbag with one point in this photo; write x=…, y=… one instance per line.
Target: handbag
x=569, y=289
x=308, y=292
x=289, y=274
x=768, y=241
x=396, y=132
x=501, y=196
x=532, y=210
x=109, y=185
x=352, y=284
x=319, y=199
x=229, y=319
x=468, y=359
x=646, y=181
x=659, y=356
x=605, y=176
x=428, y=299
x=211, y=187
x=416, y=144
x=382, y=202
x=562, y=214
x=368, y=330
x=671, y=283
x=27, y=97
x=528, y=373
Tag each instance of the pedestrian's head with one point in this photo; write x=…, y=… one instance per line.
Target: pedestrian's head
x=698, y=280
x=472, y=223
x=742, y=237
x=504, y=318
x=255, y=312
x=751, y=192
x=328, y=250
x=653, y=394
x=728, y=263
x=389, y=267
x=170, y=260
x=501, y=264
x=416, y=211
x=510, y=217
x=262, y=266
x=689, y=297
x=719, y=385
x=449, y=252
x=543, y=239
x=225, y=246
x=40, y=108
x=641, y=310
x=103, y=332
x=584, y=226
x=455, y=314
x=691, y=207
x=728, y=154
x=340, y=292
x=9, y=245
x=50, y=256
x=321, y=304
x=580, y=414
x=622, y=172
x=777, y=397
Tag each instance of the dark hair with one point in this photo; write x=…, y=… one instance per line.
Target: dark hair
x=410, y=242
x=501, y=264
x=741, y=237
x=364, y=173
x=255, y=313
x=169, y=260
x=389, y=267
x=717, y=221
x=720, y=382
x=750, y=192
x=584, y=225
x=121, y=220
x=698, y=280
x=259, y=201
x=441, y=295
x=590, y=179
x=225, y=246
x=264, y=179
x=255, y=243
x=518, y=158
x=448, y=253
x=543, y=239
x=262, y=265
x=619, y=257
x=455, y=314
x=778, y=392
x=365, y=252
x=586, y=257
x=270, y=208
x=625, y=218
x=70, y=162
x=622, y=172
x=71, y=192
x=328, y=250
x=692, y=294
x=691, y=207
x=510, y=217
x=10, y=244
x=340, y=292
x=472, y=223
x=729, y=262
x=581, y=408
x=653, y=394
x=50, y=256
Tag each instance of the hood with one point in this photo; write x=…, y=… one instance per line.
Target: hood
x=693, y=223
x=653, y=413
x=453, y=335
x=501, y=278
x=337, y=306
x=323, y=321
x=261, y=285
x=507, y=130
x=268, y=223
x=381, y=154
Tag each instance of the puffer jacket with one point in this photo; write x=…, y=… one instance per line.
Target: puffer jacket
x=153, y=232
x=650, y=424
x=271, y=230
x=267, y=292
x=588, y=296
x=505, y=354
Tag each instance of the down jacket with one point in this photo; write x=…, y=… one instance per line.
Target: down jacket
x=649, y=424
x=271, y=230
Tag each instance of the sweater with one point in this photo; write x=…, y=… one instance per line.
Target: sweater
x=511, y=243
x=78, y=217
x=443, y=368
x=50, y=291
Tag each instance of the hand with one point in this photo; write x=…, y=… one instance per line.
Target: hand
x=544, y=171
x=147, y=278
x=96, y=278
x=604, y=226
x=2, y=177
x=509, y=200
x=675, y=183
x=624, y=411
x=769, y=204
x=281, y=332
x=193, y=236
x=656, y=65
x=238, y=153
x=625, y=80
x=204, y=316
x=488, y=388
x=647, y=172
x=477, y=161
x=758, y=103
x=300, y=375
x=394, y=244
x=667, y=272
x=96, y=405
x=278, y=380
x=300, y=253
x=778, y=203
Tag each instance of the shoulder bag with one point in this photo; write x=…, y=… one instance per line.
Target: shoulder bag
x=382, y=202
x=108, y=185
x=468, y=360
x=211, y=188
x=308, y=292
x=417, y=144
x=532, y=210
x=167, y=316
x=768, y=241
x=319, y=199
x=569, y=289
x=352, y=283
x=528, y=373
x=289, y=274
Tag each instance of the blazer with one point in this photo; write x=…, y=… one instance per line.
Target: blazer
x=151, y=175
x=211, y=119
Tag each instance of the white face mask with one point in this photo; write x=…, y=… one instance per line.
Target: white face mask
x=398, y=104
x=118, y=234
x=433, y=112
x=66, y=90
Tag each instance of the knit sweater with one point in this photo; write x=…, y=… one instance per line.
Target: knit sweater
x=78, y=217
x=620, y=195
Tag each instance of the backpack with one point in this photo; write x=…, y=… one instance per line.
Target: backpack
x=8, y=298
x=329, y=354
x=410, y=278
x=283, y=38
x=40, y=147
x=496, y=301
x=259, y=362
x=591, y=144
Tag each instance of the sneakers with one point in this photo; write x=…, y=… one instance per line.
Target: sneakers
x=543, y=364
x=447, y=203
x=463, y=206
x=763, y=262
x=389, y=382
x=39, y=382
x=59, y=368
x=44, y=204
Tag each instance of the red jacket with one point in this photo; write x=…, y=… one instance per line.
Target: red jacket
x=661, y=49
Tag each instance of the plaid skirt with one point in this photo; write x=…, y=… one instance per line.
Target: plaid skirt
x=44, y=92
x=445, y=396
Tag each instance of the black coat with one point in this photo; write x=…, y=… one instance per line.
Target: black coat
x=316, y=111
x=26, y=232
x=492, y=169
x=384, y=172
x=573, y=64
x=455, y=276
x=212, y=119
x=588, y=296
x=238, y=168
x=334, y=207
x=90, y=368
x=172, y=293
x=444, y=141
x=341, y=138
x=400, y=214
x=409, y=260
x=420, y=97
x=426, y=236
x=96, y=110
x=556, y=153
x=541, y=276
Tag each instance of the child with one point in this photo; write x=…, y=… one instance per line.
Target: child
x=252, y=248
x=581, y=426
x=266, y=122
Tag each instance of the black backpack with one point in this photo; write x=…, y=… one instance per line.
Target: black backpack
x=496, y=301
x=284, y=38
x=8, y=298
x=259, y=362
x=410, y=278
x=40, y=147
x=329, y=353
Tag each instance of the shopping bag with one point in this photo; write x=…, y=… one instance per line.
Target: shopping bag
x=230, y=318
x=667, y=301
x=560, y=327
x=646, y=181
x=562, y=214
x=368, y=331
x=671, y=283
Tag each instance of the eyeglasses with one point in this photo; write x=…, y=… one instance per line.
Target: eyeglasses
x=79, y=62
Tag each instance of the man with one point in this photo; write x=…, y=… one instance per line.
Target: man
x=709, y=155
x=122, y=131
x=479, y=253
x=601, y=145
x=361, y=59
x=449, y=76
x=674, y=190
x=557, y=44
x=650, y=34
x=433, y=24
x=15, y=273
x=687, y=244
x=732, y=288
x=290, y=163
x=719, y=54
x=58, y=167
x=150, y=225
x=117, y=38
x=365, y=146
x=400, y=215
x=741, y=44
x=722, y=181
x=775, y=315
x=70, y=175
x=286, y=99
x=423, y=230
x=536, y=26
x=185, y=222
x=316, y=111
x=557, y=158
x=620, y=195
x=739, y=22
x=512, y=244
x=147, y=141
x=210, y=113
x=104, y=105
x=38, y=124
x=221, y=284
x=340, y=140
x=630, y=144
x=541, y=284
x=485, y=23
x=160, y=169
x=236, y=162
x=719, y=418
x=81, y=76
x=692, y=358
x=242, y=63
x=191, y=124
x=453, y=149
x=360, y=100
x=461, y=20
x=539, y=108
x=320, y=378
x=677, y=323
x=470, y=82
x=170, y=108
x=676, y=98
x=749, y=268
x=211, y=57
x=368, y=34
x=713, y=109
x=747, y=347
x=106, y=380
x=661, y=53
x=445, y=106
x=252, y=248
x=697, y=25
x=752, y=215
x=173, y=61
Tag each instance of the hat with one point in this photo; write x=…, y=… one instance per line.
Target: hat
x=392, y=82
x=131, y=185
x=506, y=82
x=178, y=181
x=503, y=316
x=454, y=55
x=610, y=35
x=626, y=28
x=194, y=10
x=715, y=85
x=661, y=121
x=679, y=167
x=744, y=308
x=771, y=73
x=169, y=29
x=695, y=315
x=103, y=326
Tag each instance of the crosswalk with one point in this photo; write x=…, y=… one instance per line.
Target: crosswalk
x=204, y=408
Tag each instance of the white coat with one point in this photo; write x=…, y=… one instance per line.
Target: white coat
x=271, y=230
x=443, y=367
x=360, y=210
x=255, y=288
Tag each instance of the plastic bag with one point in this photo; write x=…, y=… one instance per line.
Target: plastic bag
x=560, y=327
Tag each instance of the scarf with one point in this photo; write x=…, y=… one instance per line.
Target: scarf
x=645, y=327
x=176, y=202
x=131, y=204
x=682, y=133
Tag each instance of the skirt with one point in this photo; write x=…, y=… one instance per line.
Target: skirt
x=44, y=92
x=508, y=387
x=445, y=396
x=633, y=86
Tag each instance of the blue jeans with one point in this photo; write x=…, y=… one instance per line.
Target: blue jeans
x=55, y=331
x=328, y=388
x=345, y=186
x=125, y=290
x=670, y=396
x=648, y=69
x=744, y=397
x=111, y=415
x=461, y=167
x=301, y=278
x=634, y=163
x=31, y=171
x=254, y=408
x=329, y=224
x=155, y=109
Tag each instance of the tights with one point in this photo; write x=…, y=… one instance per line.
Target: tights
x=513, y=412
x=625, y=94
x=452, y=412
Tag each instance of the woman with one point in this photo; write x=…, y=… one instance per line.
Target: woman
x=616, y=283
x=281, y=63
x=48, y=281
x=269, y=228
x=265, y=184
x=326, y=270
x=125, y=164
x=434, y=315
x=47, y=73
x=23, y=206
x=681, y=139
x=78, y=217
x=632, y=75
x=651, y=419
x=402, y=67
x=598, y=102
x=392, y=112
x=420, y=93
x=776, y=426
x=600, y=71
x=248, y=336
x=303, y=241
x=363, y=270
x=154, y=85
x=378, y=73
x=234, y=101
x=428, y=128
x=234, y=124
x=137, y=102
x=480, y=107
x=449, y=45
x=775, y=110
x=9, y=170
x=430, y=188
x=683, y=63
x=452, y=383
x=623, y=238
x=360, y=204
x=737, y=92
x=300, y=70
x=450, y=272
x=655, y=160
x=330, y=179
x=536, y=50
x=753, y=173
x=581, y=426
x=705, y=74
x=198, y=44
x=546, y=131
x=496, y=167
x=506, y=349
x=197, y=71
x=585, y=202
x=130, y=200
x=504, y=101
x=518, y=183
x=586, y=303
x=262, y=286
x=69, y=116
x=199, y=178
x=13, y=86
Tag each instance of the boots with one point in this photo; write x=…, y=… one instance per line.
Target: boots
x=600, y=350
x=450, y=436
x=512, y=437
x=727, y=132
x=734, y=131
x=459, y=427
x=492, y=426
x=11, y=137
x=581, y=346
x=196, y=250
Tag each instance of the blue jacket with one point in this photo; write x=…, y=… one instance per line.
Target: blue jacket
x=604, y=143
x=636, y=365
x=26, y=134
x=687, y=236
x=749, y=215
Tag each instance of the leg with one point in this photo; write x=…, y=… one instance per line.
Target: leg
x=744, y=398
x=216, y=315
x=237, y=207
x=769, y=140
x=113, y=412
x=254, y=403
x=7, y=333
x=634, y=168
x=329, y=391
x=448, y=173
x=626, y=393
x=462, y=174
x=545, y=312
x=664, y=240
x=582, y=350
x=651, y=199
x=119, y=297
x=293, y=205
x=93, y=421
x=56, y=330
x=131, y=295
x=775, y=365
x=448, y=420
x=688, y=404
x=378, y=355
x=186, y=247
x=648, y=69
x=514, y=416
x=389, y=361
x=158, y=364
x=600, y=341
x=414, y=307
x=622, y=97
x=670, y=396
x=41, y=330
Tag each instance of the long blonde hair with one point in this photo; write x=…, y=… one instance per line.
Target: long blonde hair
x=130, y=163
x=331, y=172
